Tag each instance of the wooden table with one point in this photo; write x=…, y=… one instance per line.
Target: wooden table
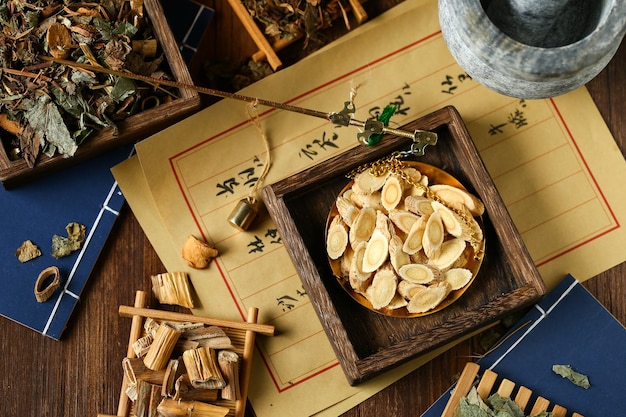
x=81, y=375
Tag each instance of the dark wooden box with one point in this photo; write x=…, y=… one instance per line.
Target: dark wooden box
x=368, y=343
x=136, y=127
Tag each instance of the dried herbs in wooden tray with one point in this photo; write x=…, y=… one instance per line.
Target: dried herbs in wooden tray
x=50, y=112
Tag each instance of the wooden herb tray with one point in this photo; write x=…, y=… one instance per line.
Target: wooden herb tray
x=486, y=386
x=133, y=128
x=367, y=343
x=241, y=334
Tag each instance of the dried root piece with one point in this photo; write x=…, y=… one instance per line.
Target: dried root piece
x=428, y=298
x=229, y=364
x=451, y=250
x=172, y=288
x=419, y=273
x=413, y=242
x=367, y=200
x=457, y=198
x=419, y=205
x=383, y=288
x=403, y=219
x=376, y=251
x=433, y=235
x=397, y=256
x=197, y=253
x=337, y=238
x=359, y=280
x=408, y=289
x=457, y=277
x=347, y=210
x=363, y=226
x=368, y=183
x=203, y=368
x=392, y=191
x=397, y=302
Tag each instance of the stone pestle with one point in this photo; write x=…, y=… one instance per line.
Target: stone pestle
x=532, y=48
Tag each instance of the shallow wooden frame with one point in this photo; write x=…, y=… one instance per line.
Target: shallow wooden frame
x=367, y=343
x=136, y=127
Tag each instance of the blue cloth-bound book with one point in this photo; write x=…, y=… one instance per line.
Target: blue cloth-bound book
x=567, y=327
x=87, y=194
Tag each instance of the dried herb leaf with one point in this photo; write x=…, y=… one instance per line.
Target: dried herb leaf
x=574, y=377
x=63, y=246
x=27, y=251
x=44, y=116
x=495, y=406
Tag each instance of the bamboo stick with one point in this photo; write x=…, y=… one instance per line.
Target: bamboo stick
x=264, y=329
x=173, y=408
x=246, y=365
x=141, y=300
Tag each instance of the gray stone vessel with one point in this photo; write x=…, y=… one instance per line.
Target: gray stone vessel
x=533, y=48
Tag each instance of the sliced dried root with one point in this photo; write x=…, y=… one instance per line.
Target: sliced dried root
x=383, y=288
x=363, y=226
x=367, y=183
x=402, y=244
x=428, y=298
x=413, y=242
x=367, y=200
x=456, y=197
x=359, y=280
x=336, y=238
x=397, y=257
x=391, y=193
x=457, y=277
x=403, y=219
x=419, y=205
x=376, y=251
x=347, y=210
x=408, y=289
x=451, y=250
x=433, y=235
x=419, y=273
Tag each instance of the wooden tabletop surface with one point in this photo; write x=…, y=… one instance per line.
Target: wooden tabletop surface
x=81, y=374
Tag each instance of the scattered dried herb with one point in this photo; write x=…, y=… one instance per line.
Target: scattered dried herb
x=293, y=19
x=53, y=108
x=494, y=406
x=27, y=251
x=574, y=377
x=63, y=246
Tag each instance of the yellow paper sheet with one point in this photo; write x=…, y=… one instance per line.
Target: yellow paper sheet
x=553, y=161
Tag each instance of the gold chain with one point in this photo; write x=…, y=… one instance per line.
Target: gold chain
x=392, y=164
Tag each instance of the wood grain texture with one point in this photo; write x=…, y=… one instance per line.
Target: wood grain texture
x=81, y=375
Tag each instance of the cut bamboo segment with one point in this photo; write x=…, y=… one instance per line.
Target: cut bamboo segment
x=172, y=408
x=135, y=370
x=172, y=288
x=161, y=349
x=486, y=386
x=229, y=365
x=203, y=368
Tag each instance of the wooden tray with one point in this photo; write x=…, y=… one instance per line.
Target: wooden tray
x=486, y=386
x=242, y=335
x=136, y=127
x=367, y=343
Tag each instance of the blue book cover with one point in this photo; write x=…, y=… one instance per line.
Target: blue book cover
x=85, y=193
x=567, y=327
